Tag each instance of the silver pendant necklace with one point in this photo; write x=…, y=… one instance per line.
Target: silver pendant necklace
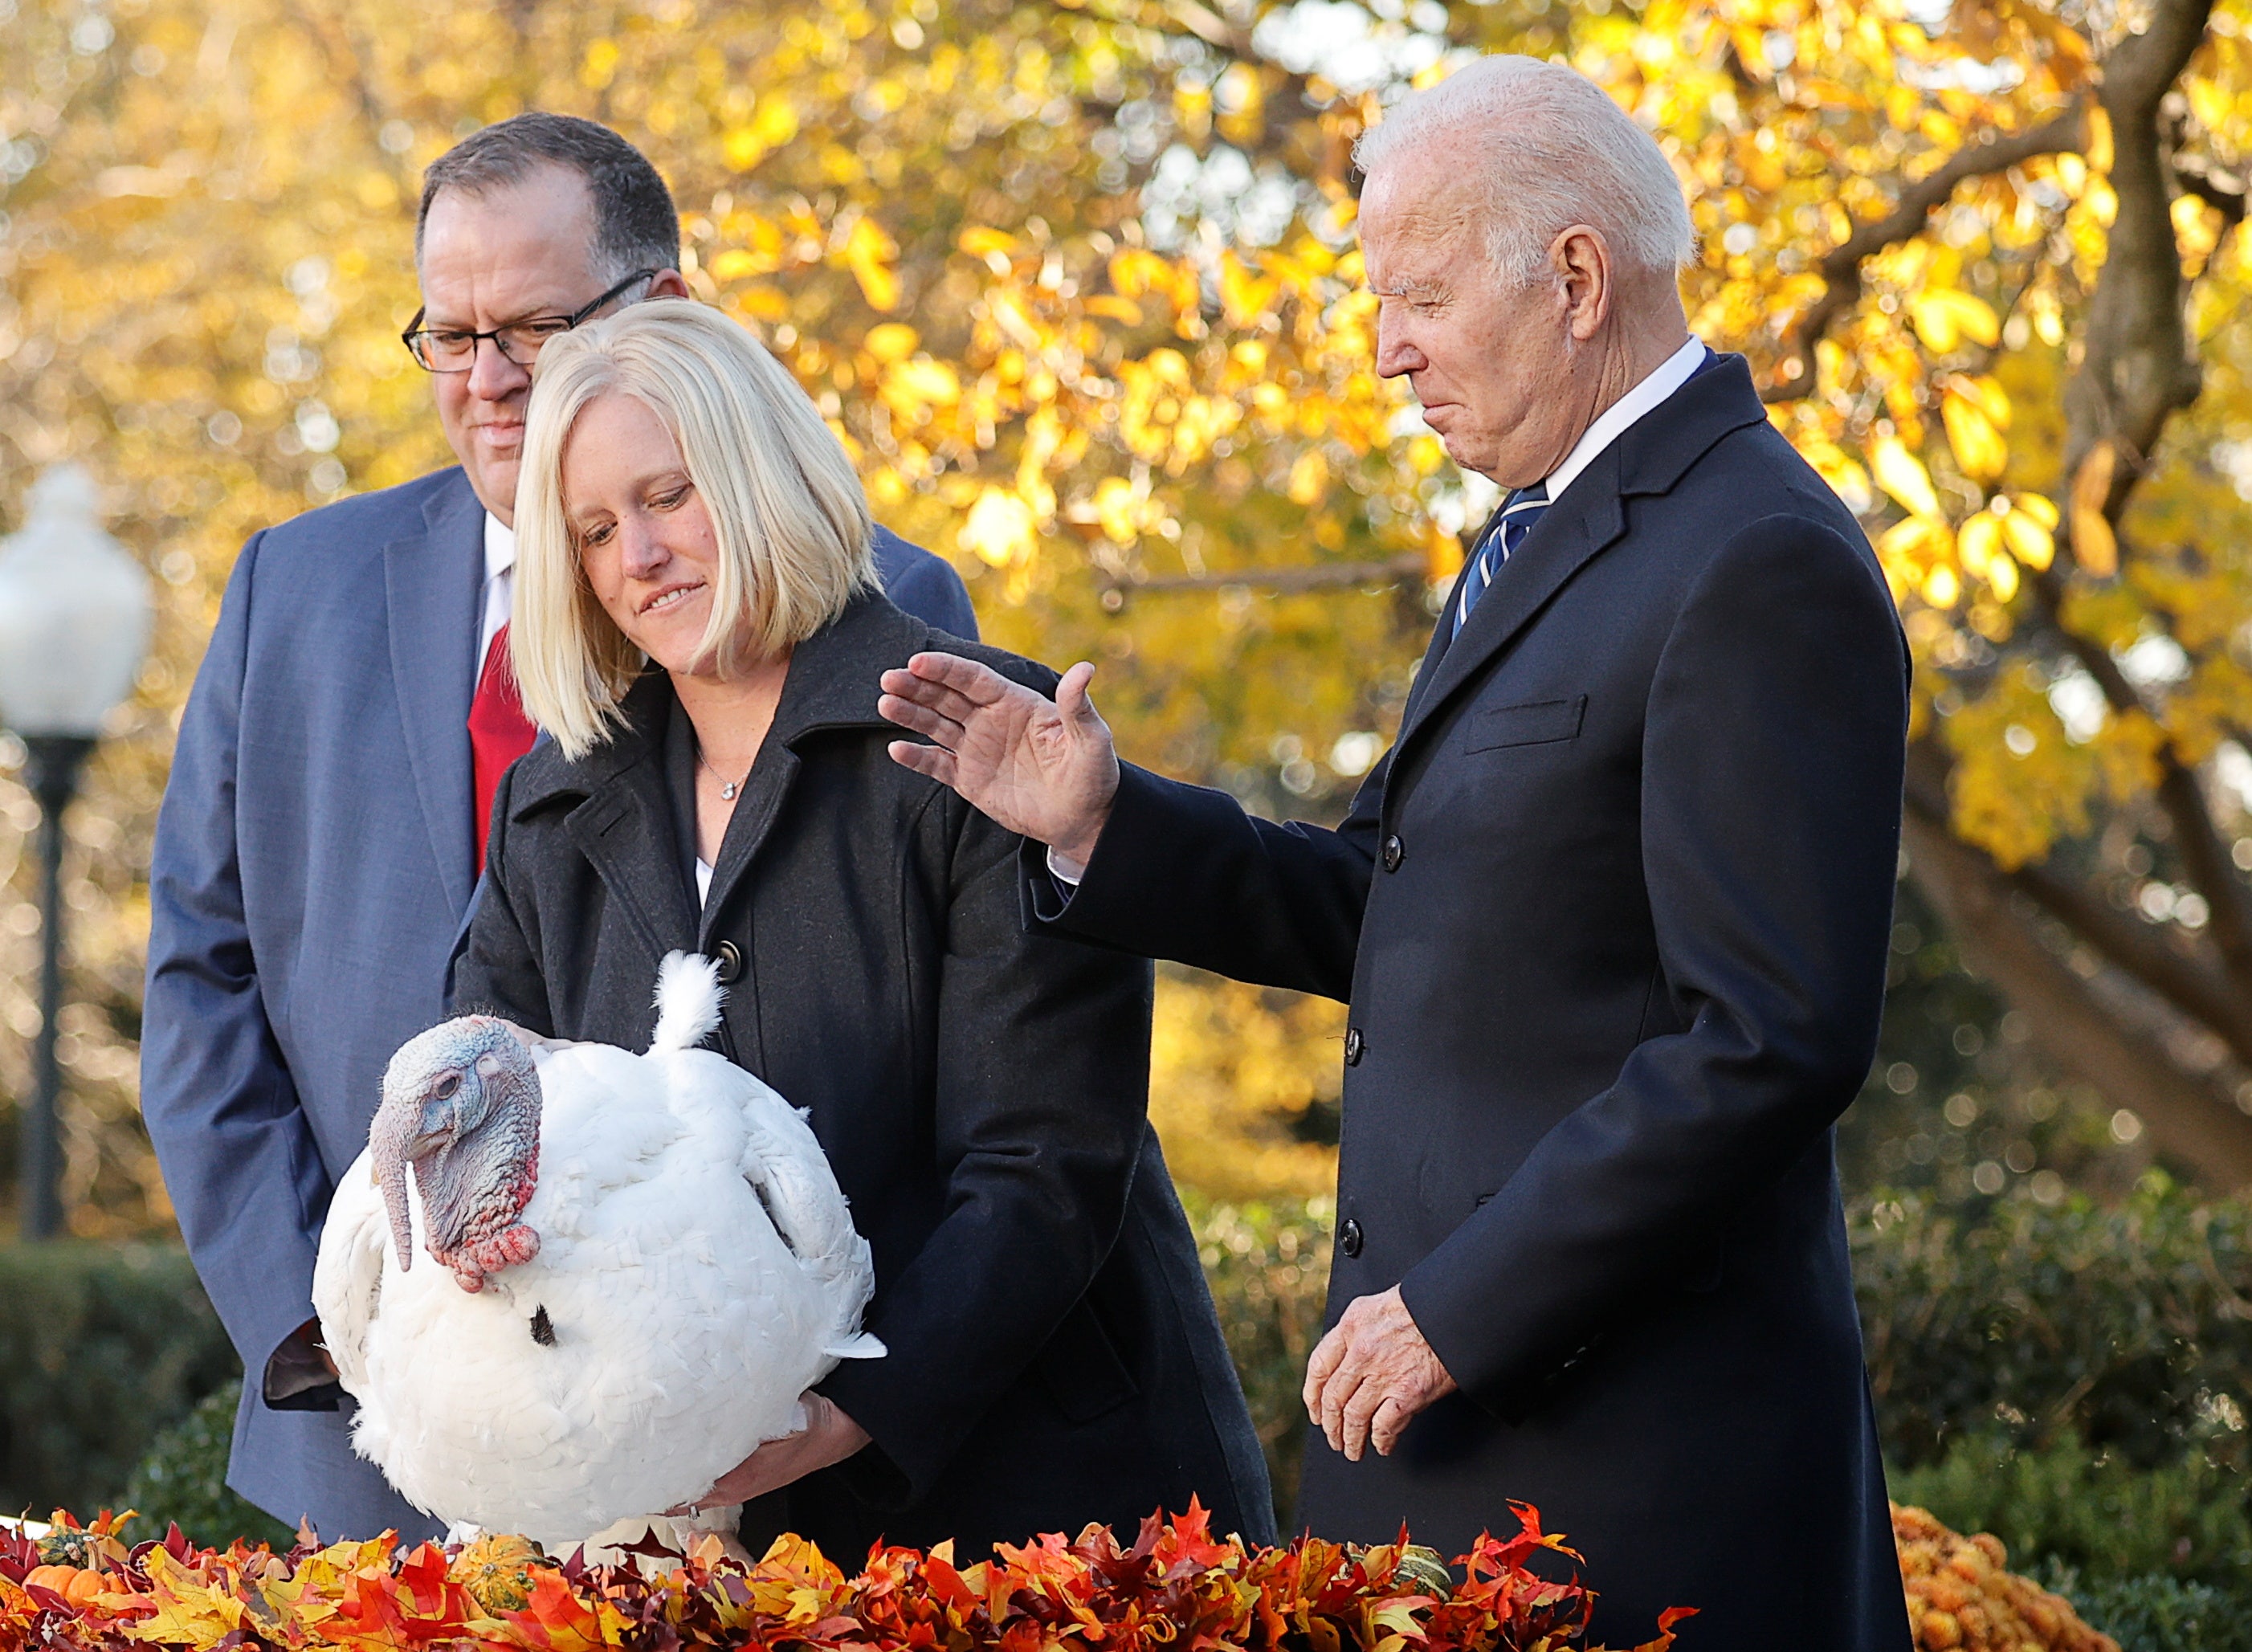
x=728, y=788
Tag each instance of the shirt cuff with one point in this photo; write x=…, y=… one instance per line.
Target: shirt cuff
x=298, y=1377
x=1066, y=872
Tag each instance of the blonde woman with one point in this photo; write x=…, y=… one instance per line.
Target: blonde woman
x=697, y=629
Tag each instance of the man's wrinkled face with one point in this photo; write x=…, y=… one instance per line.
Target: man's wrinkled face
x=1489, y=358
x=506, y=255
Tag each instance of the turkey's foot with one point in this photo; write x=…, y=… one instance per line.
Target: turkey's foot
x=660, y=1541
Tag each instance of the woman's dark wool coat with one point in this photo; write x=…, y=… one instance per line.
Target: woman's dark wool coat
x=1054, y=1357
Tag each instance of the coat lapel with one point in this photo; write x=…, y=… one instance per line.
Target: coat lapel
x=623, y=822
x=1588, y=519
x=1649, y=457
x=431, y=582
x=620, y=815
x=831, y=684
x=625, y=831
x=1437, y=646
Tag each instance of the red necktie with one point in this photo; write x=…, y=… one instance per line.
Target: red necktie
x=499, y=732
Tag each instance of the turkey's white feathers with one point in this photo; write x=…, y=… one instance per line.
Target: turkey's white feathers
x=688, y=999
x=698, y=1270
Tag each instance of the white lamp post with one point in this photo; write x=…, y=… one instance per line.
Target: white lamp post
x=73, y=624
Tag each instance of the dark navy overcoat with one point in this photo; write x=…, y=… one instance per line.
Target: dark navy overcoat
x=1611, y=917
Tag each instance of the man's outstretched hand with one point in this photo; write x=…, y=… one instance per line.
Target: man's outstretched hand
x=1045, y=769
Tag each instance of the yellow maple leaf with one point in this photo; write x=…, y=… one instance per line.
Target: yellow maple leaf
x=891, y=341
x=868, y=253
x=2094, y=546
x=1977, y=445
x=2029, y=542
x=998, y=529
x=1901, y=473
x=1979, y=542
x=1943, y=316
x=188, y=1613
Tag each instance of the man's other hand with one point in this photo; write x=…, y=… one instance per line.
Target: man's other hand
x=1045, y=769
x=1370, y=1375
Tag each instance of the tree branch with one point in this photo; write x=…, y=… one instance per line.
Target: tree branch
x=1317, y=576
x=2188, y=1120
x=2205, y=859
x=1841, y=266
x=351, y=62
x=2217, y=187
x=2197, y=991
x=2136, y=368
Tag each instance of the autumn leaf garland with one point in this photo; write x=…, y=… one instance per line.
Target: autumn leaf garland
x=1177, y=1587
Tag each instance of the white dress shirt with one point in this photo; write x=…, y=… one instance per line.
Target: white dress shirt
x=1661, y=382
x=500, y=585
x=1658, y=384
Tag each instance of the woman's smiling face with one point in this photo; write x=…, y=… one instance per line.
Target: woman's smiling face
x=644, y=538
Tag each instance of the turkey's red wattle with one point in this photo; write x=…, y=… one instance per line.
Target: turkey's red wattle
x=491, y=1237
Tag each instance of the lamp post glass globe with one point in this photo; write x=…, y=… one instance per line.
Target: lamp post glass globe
x=74, y=625
x=73, y=614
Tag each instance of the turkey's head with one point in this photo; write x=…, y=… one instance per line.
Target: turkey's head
x=460, y=1108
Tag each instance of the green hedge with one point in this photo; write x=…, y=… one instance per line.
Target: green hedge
x=2109, y=1521
x=2076, y=1380
x=2125, y=1332
x=102, y=1347
x=2156, y=1613
x=2127, y=1328
x=182, y=1480
x=1269, y=1266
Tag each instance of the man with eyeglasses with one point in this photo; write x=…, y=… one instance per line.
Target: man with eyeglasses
x=324, y=825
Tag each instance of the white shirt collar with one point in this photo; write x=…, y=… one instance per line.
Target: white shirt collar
x=1661, y=381
x=500, y=546
x=498, y=601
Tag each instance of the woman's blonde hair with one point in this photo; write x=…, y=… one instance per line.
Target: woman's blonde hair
x=788, y=510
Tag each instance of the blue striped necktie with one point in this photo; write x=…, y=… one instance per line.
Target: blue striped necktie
x=1510, y=524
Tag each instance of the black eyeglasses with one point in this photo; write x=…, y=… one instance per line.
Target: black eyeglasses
x=454, y=350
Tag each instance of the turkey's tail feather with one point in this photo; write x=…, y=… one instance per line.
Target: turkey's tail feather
x=688, y=999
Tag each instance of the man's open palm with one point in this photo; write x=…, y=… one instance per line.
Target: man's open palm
x=1045, y=769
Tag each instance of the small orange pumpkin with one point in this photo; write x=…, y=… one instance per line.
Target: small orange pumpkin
x=76, y=1585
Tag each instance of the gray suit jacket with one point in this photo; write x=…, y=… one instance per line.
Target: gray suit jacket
x=314, y=864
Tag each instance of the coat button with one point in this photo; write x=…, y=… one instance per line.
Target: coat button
x=1392, y=850
x=1349, y=1237
x=731, y=963
x=1353, y=1045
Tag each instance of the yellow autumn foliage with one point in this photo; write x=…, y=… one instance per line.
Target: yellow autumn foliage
x=1077, y=285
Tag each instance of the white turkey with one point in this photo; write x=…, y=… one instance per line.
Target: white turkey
x=644, y=1261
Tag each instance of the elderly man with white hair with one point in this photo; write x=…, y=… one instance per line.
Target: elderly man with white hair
x=1611, y=914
